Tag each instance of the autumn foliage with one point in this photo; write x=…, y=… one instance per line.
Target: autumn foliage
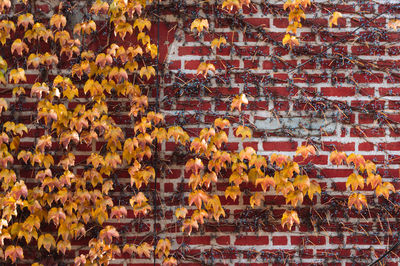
x=69, y=196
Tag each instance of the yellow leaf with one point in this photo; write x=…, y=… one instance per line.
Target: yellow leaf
x=141, y=24
x=47, y=241
x=221, y=123
x=294, y=197
x=357, y=160
x=358, y=200
x=384, y=189
x=163, y=247
x=337, y=157
x=238, y=101
x=58, y=20
x=17, y=75
x=289, y=218
x=197, y=197
x=204, y=67
x=147, y=71
x=199, y=24
x=232, y=192
x=25, y=20
x=217, y=42
x=19, y=46
x=14, y=253
x=355, y=181
x=374, y=180
x=291, y=40
x=314, y=188
x=265, y=182
x=333, y=19
x=181, y=212
x=255, y=200
x=305, y=150
x=302, y=182
x=144, y=249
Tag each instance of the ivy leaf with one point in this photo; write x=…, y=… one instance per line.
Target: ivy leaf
x=302, y=182
x=181, y=212
x=58, y=20
x=63, y=245
x=198, y=197
x=357, y=160
x=204, y=67
x=237, y=178
x=305, y=150
x=189, y=224
x=47, y=241
x=170, y=261
x=333, y=20
x=384, y=189
x=99, y=6
x=355, y=181
x=118, y=212
x=19, y=46
x=17, y=75
x=265, y=182
x=233, y=192
x=296, y=15
x=337, y=158
x=358, y=200
x=314, y=188
x=293, y=27
x=25, y=20
x=221, y=123
x=144, y=249
x=244, y=132
x=291, y=40
x=129, y=248
x=238, y=101
x=14, y=253
x=108, y=233
x=163, y=247
x=199, y=24
x=141, y=24
x=289, y=218
x=374, y=180
x=217, y=42
x=194, y=165
x=147, y=71
x=294, y=197
x=255, y=200
x=369, y=166
x=3, y=105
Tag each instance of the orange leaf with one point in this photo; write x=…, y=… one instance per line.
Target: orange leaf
x=238, y=101
x=197, y=197
x=294, y=197
x=384, y=189
x=108, y=233
x=255, y=200
x=337, y=157
x=199, y=24
x=358, y=200
x=355, y=181
x=305, y=150
x=232, y=192
x=333, y=19
x=289, y=218
x=265, y=182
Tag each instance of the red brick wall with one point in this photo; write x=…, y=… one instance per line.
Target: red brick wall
x=305, y=88
x=337, y=90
